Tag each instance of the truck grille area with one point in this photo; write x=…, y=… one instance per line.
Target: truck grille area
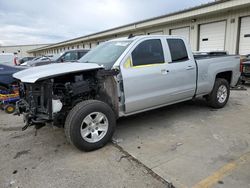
x=36, y=101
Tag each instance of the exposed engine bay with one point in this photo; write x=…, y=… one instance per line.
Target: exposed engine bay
x=50, y=100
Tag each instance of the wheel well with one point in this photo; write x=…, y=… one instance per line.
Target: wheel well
x=226, y=75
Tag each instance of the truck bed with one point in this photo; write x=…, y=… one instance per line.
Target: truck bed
x=210, y=66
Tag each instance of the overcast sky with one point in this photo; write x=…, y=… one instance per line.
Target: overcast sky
x=49, y=21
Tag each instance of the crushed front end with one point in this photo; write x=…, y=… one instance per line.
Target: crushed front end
x=35, y=103
x=49, y=101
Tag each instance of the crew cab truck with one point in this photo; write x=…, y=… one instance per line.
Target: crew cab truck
x=119, y=78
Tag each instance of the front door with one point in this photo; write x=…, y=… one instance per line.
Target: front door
x=144, y=76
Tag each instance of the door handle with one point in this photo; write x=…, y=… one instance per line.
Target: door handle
x=190, y=68
x=164, y=71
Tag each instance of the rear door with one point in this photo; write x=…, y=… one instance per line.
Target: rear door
x=181, y=77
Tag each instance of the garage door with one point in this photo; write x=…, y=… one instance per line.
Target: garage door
x=244, y=47
x=184, y=32
x=212, y=37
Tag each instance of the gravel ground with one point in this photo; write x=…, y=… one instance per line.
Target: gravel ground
x=47, y=160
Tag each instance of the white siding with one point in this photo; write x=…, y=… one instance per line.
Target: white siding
x=228, y=11
x=244, y=46
x=212, y=36
x=184, y=32
x=156, y=33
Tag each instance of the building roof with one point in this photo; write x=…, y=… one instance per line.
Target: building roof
x=20, y=45
x=192, y=12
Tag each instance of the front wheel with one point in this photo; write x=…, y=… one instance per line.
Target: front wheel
x=220, y=94
x=90, y=125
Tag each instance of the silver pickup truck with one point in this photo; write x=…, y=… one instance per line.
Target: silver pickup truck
x=119, y=78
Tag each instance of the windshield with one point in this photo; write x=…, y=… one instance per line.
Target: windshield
x=106, y=53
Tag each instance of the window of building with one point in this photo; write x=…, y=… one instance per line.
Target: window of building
x=178, y=50
x=148, y=52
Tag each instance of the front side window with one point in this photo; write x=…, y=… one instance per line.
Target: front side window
x=178, y=50
x=148, y=52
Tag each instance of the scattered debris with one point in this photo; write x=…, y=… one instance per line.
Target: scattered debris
x=117, y=140
x=139, y=147
x=14, y=172
x=175, y=146
x=239, y=87
x=220, y=182
x=12, y=182
x=19, y=154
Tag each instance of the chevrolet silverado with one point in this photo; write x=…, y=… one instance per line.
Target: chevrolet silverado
x=119, y=78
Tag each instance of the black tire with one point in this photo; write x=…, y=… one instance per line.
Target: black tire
x=9, y=108
x=76, y=116
x=212, y=99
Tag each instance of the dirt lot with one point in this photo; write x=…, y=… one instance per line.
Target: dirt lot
x=46, y=160
x=187, y=144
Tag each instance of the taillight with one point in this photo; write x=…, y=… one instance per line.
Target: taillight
x=241, y=65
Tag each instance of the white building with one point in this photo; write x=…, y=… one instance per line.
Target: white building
x=220, y=25
x=21, y=50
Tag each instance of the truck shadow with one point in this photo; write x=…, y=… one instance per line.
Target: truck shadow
x=168, y=114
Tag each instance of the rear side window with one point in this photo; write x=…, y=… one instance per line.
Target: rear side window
x=148, y=52
x=178, y=50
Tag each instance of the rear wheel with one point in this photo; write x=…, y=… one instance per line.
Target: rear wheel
x=9, y=108
x=220, y=94
x=90, y=125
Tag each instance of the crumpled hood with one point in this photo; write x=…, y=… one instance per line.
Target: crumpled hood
x=34, y=74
